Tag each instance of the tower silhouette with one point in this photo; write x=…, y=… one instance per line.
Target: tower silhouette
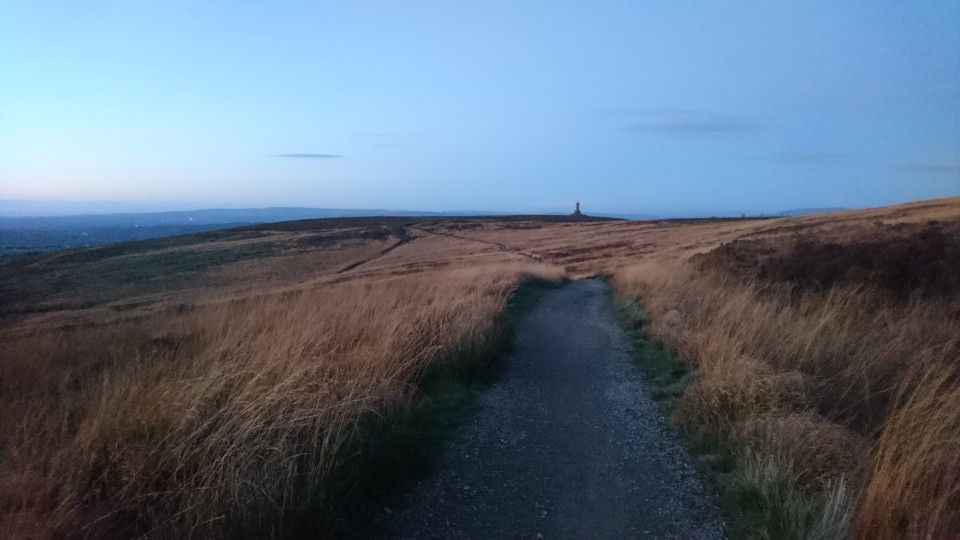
x=577, y=211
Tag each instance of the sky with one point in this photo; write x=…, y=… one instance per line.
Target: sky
x=630, y=107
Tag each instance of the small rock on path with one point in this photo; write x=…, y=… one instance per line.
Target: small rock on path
x=567, y=444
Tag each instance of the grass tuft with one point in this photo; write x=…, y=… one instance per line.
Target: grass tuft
x=840, y=407
x=256, y=417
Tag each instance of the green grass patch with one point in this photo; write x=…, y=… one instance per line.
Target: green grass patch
x=110, y=273
x=666, y=374
x=667, y=377
x=760, y=495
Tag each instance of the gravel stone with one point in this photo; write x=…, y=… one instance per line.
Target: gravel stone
x=567, y=444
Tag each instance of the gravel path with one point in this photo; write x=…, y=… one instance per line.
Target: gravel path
x=567, y=445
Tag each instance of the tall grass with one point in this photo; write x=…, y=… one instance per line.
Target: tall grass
x=843, y=407
x=913, y=489
x=238, y=419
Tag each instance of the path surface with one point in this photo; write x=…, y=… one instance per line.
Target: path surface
x=567, y=445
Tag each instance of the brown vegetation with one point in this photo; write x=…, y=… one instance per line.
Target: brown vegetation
x=903, y=259
x=225, y=383
x=230, y=415
x=832, y=366
x=228, y=418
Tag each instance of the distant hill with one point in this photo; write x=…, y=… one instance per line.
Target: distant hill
x=808, y=211
x=21, y=234
x=196, y=217
x=32, y=233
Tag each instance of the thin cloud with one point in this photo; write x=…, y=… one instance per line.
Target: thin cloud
x=687, y=124
x=309, y=156
x=390, y=146
x=811, y=158
x=928, y=168
x=387, y=136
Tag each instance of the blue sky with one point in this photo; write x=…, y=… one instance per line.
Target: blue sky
x=646, y=107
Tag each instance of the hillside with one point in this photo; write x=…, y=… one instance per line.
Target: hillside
x=225, y=381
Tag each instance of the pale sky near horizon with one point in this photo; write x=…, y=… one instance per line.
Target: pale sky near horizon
x=645, y=107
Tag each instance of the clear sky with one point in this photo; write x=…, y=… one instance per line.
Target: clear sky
x=646, y=107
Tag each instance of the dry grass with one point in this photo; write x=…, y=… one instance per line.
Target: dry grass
x=225, y=385
x=230, y=419
x=819, y=395
x=914, y=483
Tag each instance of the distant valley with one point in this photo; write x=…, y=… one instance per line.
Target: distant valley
x=21, y=234
x=28, y=234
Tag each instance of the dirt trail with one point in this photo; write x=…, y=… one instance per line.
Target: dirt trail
x=402, y=238
x=501, y=246
x=567, y=445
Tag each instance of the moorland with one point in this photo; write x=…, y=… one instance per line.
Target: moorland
x=239, y=383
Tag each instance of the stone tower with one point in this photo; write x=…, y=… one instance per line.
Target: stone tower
x=577, y=211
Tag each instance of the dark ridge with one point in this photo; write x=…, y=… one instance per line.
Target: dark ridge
x=903, y=259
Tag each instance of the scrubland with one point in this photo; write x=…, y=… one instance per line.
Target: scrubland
x=828, y=364
x=231, y=419
x=844, y=411
x=242, y=383
x=246, y=416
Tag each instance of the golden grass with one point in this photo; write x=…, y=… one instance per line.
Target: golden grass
x=226, y=419
x=914, y=482
x=190, y=387
x=820, y=394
